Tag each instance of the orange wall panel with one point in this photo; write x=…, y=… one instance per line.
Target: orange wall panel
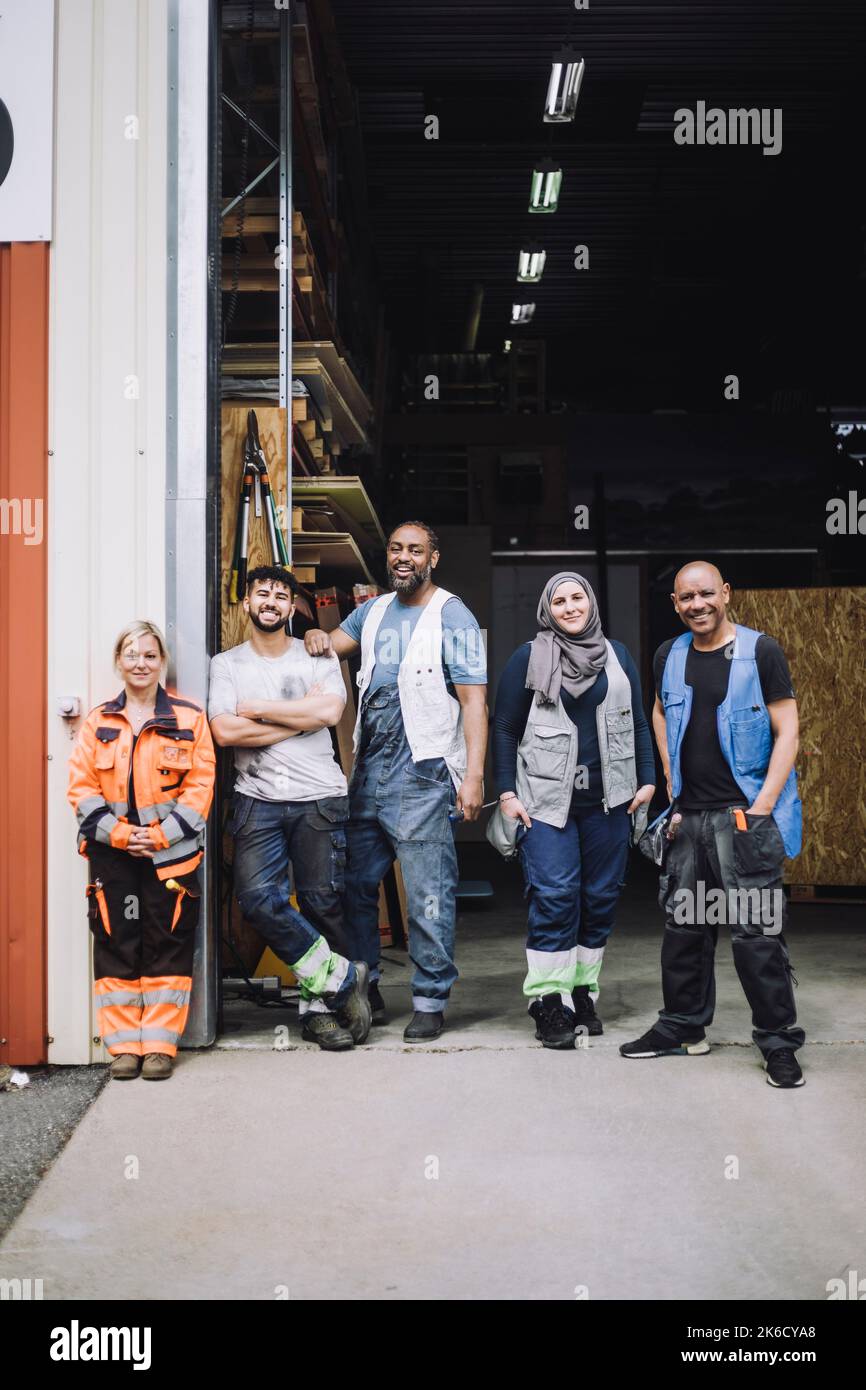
x=23, y=643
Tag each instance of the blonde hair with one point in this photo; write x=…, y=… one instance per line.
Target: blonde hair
x=140, y=628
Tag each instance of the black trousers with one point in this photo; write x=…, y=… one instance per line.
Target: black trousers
x=713, y=874
x=143, y=944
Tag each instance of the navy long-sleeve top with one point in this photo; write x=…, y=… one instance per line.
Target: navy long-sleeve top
x=514, y=701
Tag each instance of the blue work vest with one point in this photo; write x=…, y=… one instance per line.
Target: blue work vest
x=745, y=734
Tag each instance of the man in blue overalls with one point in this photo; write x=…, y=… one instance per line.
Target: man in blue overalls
x=420, y=741
x=725, y=721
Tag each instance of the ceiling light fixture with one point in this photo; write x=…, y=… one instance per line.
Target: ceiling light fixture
x=563, y=89
x=545, y=186
x=522, y=313
x=530, y=264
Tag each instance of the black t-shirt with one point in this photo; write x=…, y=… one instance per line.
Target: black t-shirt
x=707, y=781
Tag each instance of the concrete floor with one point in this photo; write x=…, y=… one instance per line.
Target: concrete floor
x=481, y=1166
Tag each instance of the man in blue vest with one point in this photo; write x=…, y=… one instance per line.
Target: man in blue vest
x=725, y=721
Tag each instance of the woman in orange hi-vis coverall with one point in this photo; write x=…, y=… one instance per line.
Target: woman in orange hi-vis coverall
x=141, y=781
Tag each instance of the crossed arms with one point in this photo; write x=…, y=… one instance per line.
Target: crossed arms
x=259, y=723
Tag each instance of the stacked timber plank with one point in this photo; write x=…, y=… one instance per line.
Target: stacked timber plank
x=334, y=414
x=338, y=537
x=309, y=282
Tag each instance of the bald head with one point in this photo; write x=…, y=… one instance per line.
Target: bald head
x=697, y=571
x=701, y=598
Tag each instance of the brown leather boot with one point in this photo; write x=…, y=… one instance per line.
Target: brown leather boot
x=156, y=1066
x=125, y=1066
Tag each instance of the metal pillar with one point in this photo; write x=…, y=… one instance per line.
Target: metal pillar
x=285, y=262
x=192, y=403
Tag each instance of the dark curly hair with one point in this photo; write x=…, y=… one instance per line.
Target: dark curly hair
x=422, y=526
x=277, y=573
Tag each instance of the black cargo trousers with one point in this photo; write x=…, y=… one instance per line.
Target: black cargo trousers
x=707, y=854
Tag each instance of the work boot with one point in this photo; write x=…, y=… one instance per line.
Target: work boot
x=156, y=1066
x=125, y=1066
x=355, y=1013
x=554, y=1023
x=377, y=1004
x=585, y=1016
x=325, y=1030
x=656, y=1044
x=783, y=1069
x=423, y=1027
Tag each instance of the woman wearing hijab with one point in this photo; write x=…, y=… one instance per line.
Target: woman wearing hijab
x=572, y=759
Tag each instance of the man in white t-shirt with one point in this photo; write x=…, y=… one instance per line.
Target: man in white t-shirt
x=273, y=704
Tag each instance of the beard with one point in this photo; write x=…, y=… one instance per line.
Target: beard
x=405, y=588
x=266, y=626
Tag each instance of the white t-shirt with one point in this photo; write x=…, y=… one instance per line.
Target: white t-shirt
x=302, y=767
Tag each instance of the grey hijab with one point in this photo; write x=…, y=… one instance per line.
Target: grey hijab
x=559, y=660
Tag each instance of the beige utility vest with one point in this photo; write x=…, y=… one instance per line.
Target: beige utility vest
x=548, y=756
x=432, y=718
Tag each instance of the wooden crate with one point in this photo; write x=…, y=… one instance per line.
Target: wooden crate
x=823, y=633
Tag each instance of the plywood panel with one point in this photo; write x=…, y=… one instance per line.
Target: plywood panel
x=823, y=635
x=273, y=435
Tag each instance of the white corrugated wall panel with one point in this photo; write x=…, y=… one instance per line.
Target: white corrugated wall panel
x=107, y=414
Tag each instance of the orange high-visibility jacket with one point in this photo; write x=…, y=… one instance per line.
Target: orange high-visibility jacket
x=171, y=775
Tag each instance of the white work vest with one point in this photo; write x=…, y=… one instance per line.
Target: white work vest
x=432, y=718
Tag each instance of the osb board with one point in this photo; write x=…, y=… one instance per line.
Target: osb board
x=823, y=634
x=273, y=436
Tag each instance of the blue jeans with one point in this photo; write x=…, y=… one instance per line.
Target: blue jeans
x=311, y=835
x=399, y=809
x=573, y=879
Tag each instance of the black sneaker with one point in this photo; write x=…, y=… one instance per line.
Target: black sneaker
x=783, y=1069
x=377, y=1004
x=424, y=1027
x=554, y=1023
x=355, y=1014
x=655, y=1044
x=326, y=1030
x=585, y=1015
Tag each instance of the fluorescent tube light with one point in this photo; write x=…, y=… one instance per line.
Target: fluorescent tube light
x=530, y=264
x=566, y=75
x=545, y=186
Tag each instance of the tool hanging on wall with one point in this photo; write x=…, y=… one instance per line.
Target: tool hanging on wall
x=255, y=484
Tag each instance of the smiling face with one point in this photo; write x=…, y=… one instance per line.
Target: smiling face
x=141, y=661
x=269, y=604
x=410, y=560
x=701, y=598
x=570, y=606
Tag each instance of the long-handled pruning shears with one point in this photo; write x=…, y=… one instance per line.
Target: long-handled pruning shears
x=256, y=483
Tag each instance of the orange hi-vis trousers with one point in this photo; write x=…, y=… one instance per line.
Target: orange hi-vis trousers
x=143, y=942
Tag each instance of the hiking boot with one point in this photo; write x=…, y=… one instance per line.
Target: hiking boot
x=554, y=1023
x=377, y=1004
x=783, y=1069
x=354, y=1013
x=156, y=1066
x=656, y=1044
x=325, y=1030
x=585, y=1016
x=125, y=1066
x=423, y=1027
